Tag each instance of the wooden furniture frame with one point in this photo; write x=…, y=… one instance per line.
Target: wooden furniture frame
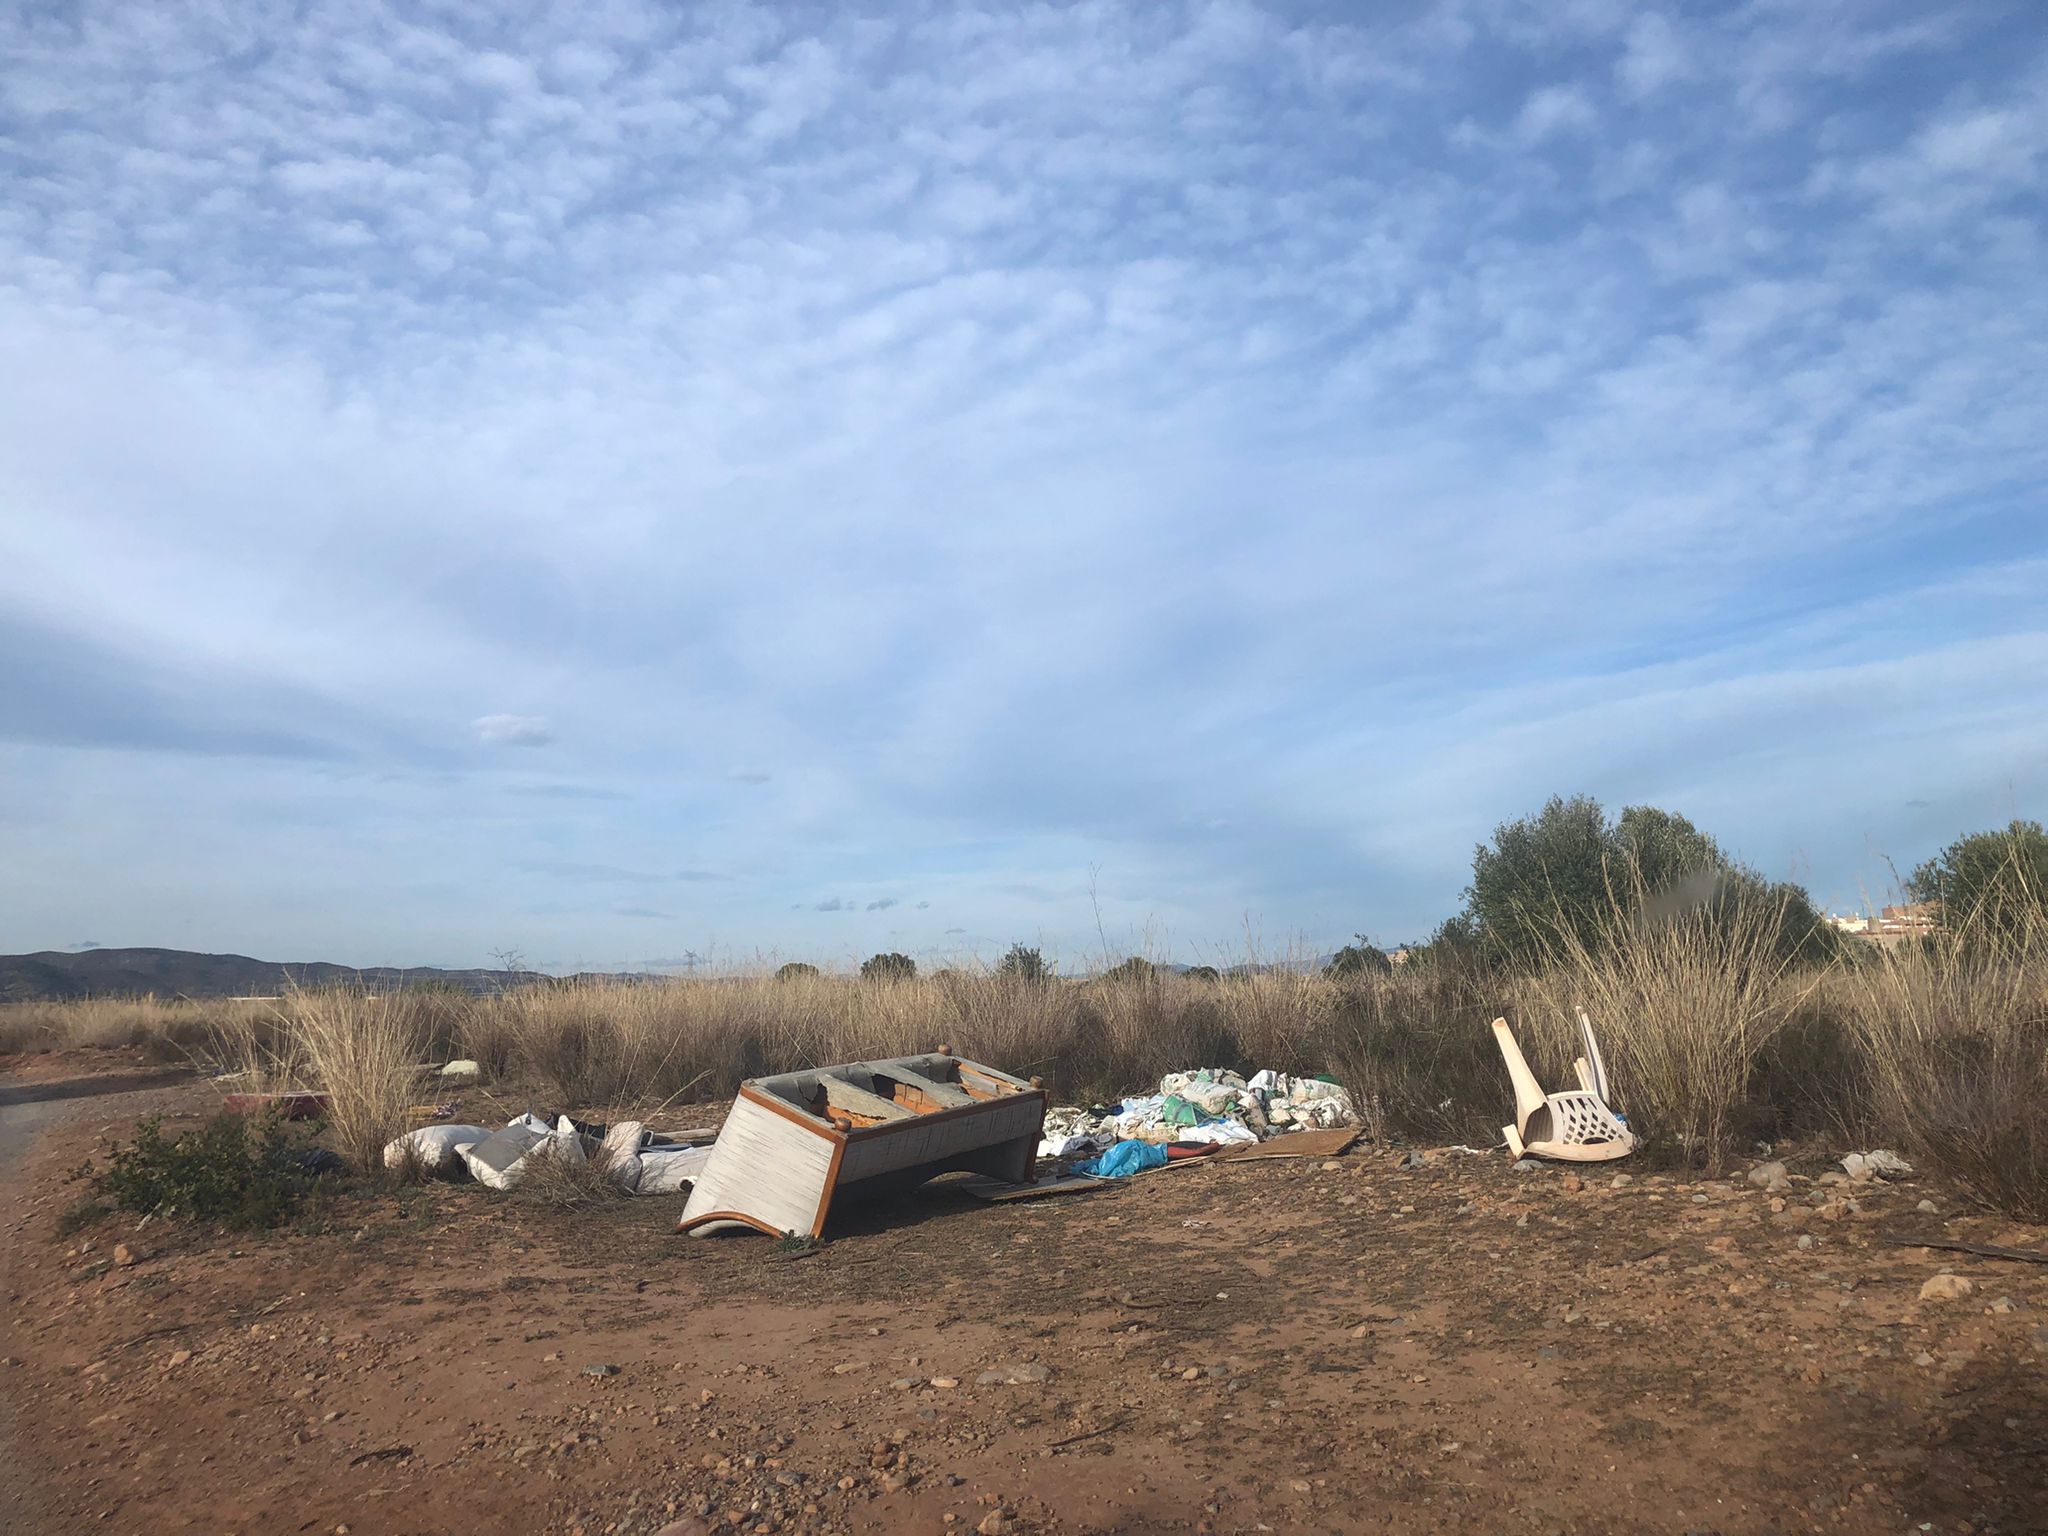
x=796, y=1142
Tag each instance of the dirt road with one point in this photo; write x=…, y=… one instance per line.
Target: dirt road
x=1289, y=1346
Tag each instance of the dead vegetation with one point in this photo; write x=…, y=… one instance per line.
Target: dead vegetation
x=1940, y=1047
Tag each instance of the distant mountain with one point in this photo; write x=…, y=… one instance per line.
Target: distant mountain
x=60, y=974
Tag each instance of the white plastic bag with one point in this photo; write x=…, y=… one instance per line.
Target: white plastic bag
x=437, y=1148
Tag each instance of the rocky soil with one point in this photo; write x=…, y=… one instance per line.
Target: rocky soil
x=1377, y=1342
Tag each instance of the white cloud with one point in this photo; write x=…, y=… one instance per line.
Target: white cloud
x=1050, y=438
x=512, y=730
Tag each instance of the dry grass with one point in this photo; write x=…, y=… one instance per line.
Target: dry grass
x=1955, y=1034
x=1711, y=1040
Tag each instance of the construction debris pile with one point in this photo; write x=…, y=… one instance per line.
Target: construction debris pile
x=634, y=1158
x=1204, y=1105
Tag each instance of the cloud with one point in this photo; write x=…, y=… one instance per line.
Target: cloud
x=645, y=912
x=85, y=944
x=512, y=730
x=882, y=904
x=1246, y=453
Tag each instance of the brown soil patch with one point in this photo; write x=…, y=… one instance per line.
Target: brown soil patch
x=1269, y=1345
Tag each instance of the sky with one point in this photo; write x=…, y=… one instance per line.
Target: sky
x=628, y=482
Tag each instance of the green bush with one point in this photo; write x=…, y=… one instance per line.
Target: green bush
x=1024, y=965
x=1135, y=970
x=796, y=970
x=1992, y=886
x=1360, y=959
x=888, y=967
x=234, y=1170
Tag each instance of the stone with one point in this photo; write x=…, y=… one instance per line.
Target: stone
x=2002, y=1305
x=1621, y=1181
x=1805, y=1243
x=1947, y=1288
x=907, y=1383
x=690, y=1526
x=1415, y=1160
x=123, y=1255
x=1527, y=1165
x=1721, y=1245
x=945, y=1383
x=180, y=1356
x=600, y=1370
x=1332, y=1166
x=993, y=1524
x=1928, y=1208
x=1769, y=1176
x=1014, y=1375
x=1573, y=1183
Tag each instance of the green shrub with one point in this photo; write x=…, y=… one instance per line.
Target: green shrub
x=1137, y=970
x=1360, y=959
x=234, y=1170
x=888, y=967
x=1992, y=886
x=796, y=970
x=1024, y=964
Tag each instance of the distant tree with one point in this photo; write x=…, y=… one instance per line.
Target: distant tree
x=796, y=970
x=1568, y=873
x=890, y=966
x=1991, y=885
x=1360, y=958
x=1135, y=969
x=1023, y=964
x=1206, y=973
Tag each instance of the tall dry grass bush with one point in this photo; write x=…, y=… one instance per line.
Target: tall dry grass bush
x=1685, y=1003
x=1954, y=1032
x=167, y=1029
x=363, y=1051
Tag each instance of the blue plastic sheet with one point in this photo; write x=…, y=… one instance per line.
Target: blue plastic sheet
x=1125, y=1159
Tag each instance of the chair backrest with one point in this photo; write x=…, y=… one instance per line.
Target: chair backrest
x=1593, y=1061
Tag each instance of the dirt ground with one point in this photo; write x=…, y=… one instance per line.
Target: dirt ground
x=1286, y=1346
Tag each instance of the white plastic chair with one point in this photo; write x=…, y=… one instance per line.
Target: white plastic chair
x=1575, y=1127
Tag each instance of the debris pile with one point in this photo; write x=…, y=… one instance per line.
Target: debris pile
x=1203, y=1105
x=636, y=1159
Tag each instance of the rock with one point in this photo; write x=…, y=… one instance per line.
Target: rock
x=123, y=1255
x=1621, y=1181
x=1721, y=1245
x=1792, y=1218
x=1527, y=1165
x=1415, y=1160
x=1573, y=1183
x=1947, y=1288
x=907, y=1383
x=600, y=1370
x=1331, y=1166
x=1834, y=1210
x=1769, y=1176
x=1805, y=1242
x=462, y=1070
x=689, y=1527
x=1928, y=1208
x=1014, y=1375
x=993, y=1524
x=2002, y=1305
x=945, y=1383
x=180, y=1356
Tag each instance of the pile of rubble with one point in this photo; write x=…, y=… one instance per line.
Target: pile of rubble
x=1204, y=1105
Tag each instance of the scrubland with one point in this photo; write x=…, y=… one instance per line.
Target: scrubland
x=1713, y=1043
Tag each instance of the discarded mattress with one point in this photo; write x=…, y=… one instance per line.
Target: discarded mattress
x=796, y=1142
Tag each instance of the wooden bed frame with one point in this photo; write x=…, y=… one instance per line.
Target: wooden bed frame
x=794, y=1142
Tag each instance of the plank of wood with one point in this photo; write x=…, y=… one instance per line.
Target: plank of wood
x=1988, y=1250
x=1295, y=1144
x=982, y=1188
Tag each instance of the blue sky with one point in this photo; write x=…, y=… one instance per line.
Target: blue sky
x=629, y=479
